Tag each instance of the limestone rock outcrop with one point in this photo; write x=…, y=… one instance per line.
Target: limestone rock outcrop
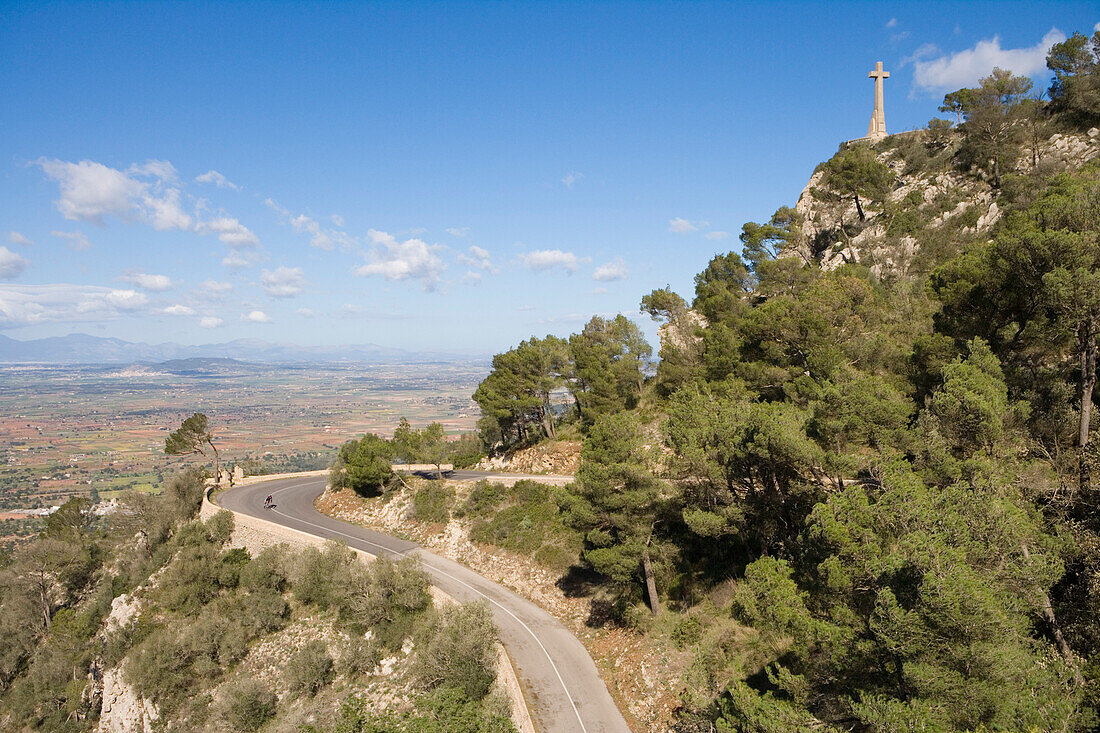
x=947, y=199
x=123, y=710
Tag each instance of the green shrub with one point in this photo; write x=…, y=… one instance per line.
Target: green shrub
x=458, y=651
x=483, y=500
x=912, y=150
x=635, y=616
x=214, y=641
x=310, y=669
x=191, y=579
x=939, y=134
x=466, y=451
x=445, y=710
x=906, y=222
x=266, y=571
x=219, y=527
x=232, y=562
x=687, y=631
x=555, y=557
x=432, y=503
x=159, y=670
x=386, y=597
x=359, y=656
x=182, y=494
x=314, y=573
x=245, y=704
x=260, y=611
x=525, y=518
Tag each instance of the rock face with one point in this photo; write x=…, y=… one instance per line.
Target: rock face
x=959, y=202
x=124, y=611
x=561, y=457
x=122, y=710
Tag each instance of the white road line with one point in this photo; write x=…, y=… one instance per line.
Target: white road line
x=447, y=575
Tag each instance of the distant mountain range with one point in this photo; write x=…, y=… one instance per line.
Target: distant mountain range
x=79, y=348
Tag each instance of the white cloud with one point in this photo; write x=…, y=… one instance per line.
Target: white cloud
x=683, y=226
x=460, y=232
x=545, y=259
x=11, y=264
x=127, y=300
x=337, y=220
x=179, y=310
x=77, y=241
x=161, y=169
x=230, y=231
x=306, y=312
x=303, y=223
x=235, y=260
x=282, y=282
x=210, y=322
x=25, y=305
x=1096, y=27
x=717, y=235
x=478, y=258
x=572, y=177
x=274, y=206
x=165, y=213
x=472, y=277
x=146, y=281
x=345, y=240
x=965, y=68
x=325, y=239
x=923, y=51
x=598, y=291
x=90, y=191
x=892, y=23
x=411, y=259
x=609, y=271
x=256, y=317
x=17, y=238
x=320, y=239
x=524, y=308
x=213, y=287
x=217, y=179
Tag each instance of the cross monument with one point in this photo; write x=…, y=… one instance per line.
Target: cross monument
x=877, y=126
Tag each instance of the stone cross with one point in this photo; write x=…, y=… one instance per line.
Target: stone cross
x=877, y=126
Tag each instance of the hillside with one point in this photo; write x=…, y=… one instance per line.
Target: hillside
x=150, y=619
x=857, y=492
x=934, y=207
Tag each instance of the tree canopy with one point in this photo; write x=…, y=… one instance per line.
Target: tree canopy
x=194, y=436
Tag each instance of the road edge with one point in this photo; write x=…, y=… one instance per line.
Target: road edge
x=506, y=672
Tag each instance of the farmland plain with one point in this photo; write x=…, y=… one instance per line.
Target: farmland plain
x=66, y=430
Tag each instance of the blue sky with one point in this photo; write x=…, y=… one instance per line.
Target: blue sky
x=432, y=175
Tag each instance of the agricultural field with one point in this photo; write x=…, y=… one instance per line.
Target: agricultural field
x=69, y=430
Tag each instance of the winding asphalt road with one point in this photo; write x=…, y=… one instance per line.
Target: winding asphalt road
x=563, y=689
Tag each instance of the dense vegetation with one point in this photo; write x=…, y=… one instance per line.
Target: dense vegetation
x=203, y=608
x=365, y=465
x=866, y=491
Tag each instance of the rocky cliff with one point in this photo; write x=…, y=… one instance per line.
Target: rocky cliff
x=935, y=203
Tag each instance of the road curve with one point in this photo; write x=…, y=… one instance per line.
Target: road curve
x=564, y=691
